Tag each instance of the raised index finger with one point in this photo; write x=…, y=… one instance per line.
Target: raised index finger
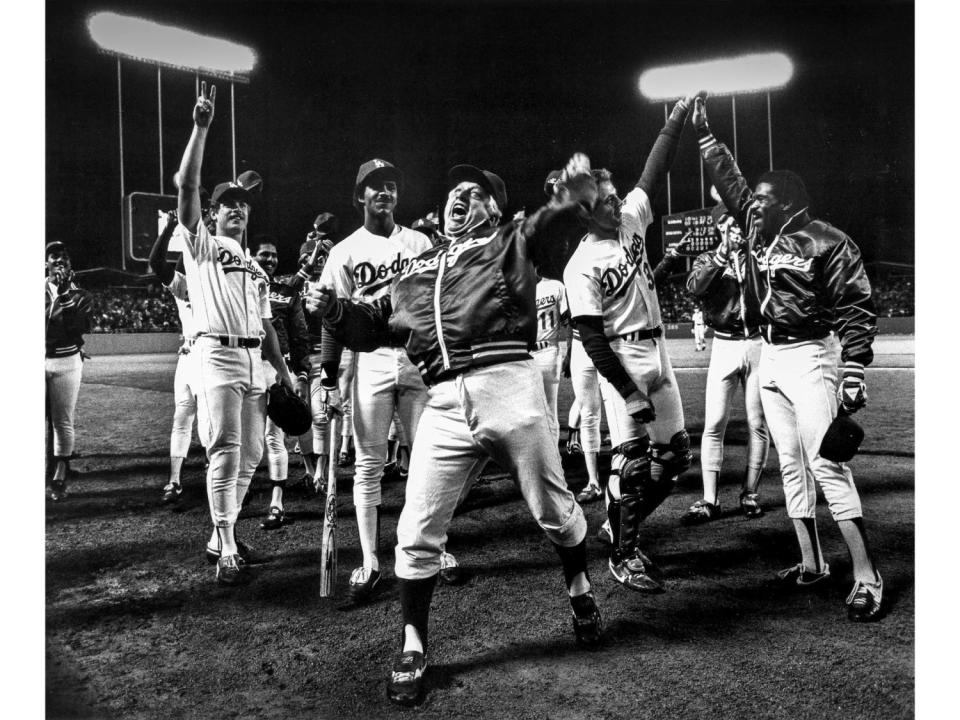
x=213, y=93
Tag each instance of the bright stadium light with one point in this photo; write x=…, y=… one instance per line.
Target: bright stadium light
x=760, y=72
x=150, y=42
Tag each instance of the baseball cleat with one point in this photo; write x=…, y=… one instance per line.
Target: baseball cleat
x=363, y=583
x=700, y=512
x=450, y=571
x=56, y=490
x=274, y=518
x=865, y=601
x=405, y=686
x=589, y=494
x=231, y=570
x=799, y=575
x=603, y=533
x=587, y=623
x=634, y=574
x=750, y=504
x=171, y=493
x=245, y=551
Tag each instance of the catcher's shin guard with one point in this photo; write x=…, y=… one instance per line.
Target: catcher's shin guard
x=668, y=461
x=633, y=464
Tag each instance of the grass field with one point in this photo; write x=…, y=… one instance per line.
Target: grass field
x=137, y=628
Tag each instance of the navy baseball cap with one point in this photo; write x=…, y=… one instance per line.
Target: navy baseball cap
x=55, y=247
x=550, y=184
x=489, y=181
x=227, y=191
x=380, y=168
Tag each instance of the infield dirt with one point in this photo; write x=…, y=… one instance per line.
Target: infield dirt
x=137, y=628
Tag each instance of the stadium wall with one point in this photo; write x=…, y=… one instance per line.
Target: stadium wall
x=146, y=343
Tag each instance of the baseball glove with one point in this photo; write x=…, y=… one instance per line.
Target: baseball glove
x=289, y=412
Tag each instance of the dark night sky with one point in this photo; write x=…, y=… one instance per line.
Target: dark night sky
x=514, y=87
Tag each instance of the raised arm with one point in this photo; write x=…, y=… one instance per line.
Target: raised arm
x=664, y=150
x=188, y=196
x=576, y=189
x=158, y=254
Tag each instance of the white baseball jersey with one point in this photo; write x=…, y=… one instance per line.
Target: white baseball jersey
x=551, y=307
x=178, y=288
x=228, y=290
x=612, y=277
x=362, y=265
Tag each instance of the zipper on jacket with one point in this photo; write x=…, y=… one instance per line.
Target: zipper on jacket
x=441, y=264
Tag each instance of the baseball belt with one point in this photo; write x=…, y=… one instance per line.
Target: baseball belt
x=735, y=336
x=642, y=334
x=235, y=341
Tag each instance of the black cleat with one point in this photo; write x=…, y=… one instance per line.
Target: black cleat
x=171, y=493
x=274, y=519
x=363, y=584
x=700, y=512
x=56, y=490
x=865, y=601
x=634, y=573
x=245, y=551
x=750, y=504
x=405, y=686
x=232, y=570
x=450, y=570
x=587, y=623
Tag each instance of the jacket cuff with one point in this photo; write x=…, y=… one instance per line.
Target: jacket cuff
x=706, y=139
x=333, y=314
x=627, y=389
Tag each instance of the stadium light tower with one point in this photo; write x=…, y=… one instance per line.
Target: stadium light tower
x=757, y=72
x=165, y=46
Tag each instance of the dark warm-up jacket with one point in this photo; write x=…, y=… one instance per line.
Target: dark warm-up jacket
x=68, y=318
x=808, y=280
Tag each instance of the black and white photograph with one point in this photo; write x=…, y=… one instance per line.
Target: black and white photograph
x=499, y=359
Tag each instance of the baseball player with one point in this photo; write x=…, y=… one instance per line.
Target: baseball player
x=698, y=330
x=717, y=282
x=69, y=311
x=185, y=377
x=817, y=312
x=552, y=314
x=231, y=310
x=470, y=341
x=361, y=267
x=613, y=301
x=291, y=329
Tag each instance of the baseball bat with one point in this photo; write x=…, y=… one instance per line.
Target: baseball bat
x=328, y=548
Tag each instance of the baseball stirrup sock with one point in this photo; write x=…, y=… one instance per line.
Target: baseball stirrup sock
x=574, y=561
x=415, y=596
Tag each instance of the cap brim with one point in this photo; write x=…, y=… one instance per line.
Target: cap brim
x=238, y=193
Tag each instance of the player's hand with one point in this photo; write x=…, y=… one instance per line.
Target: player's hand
x=519, y=215
x=320, y=299
x=853, y=390
x=203, y=110
x=576, y=186
x=681, y=108
x=62, y=279
x=288, y=383
x=303, y=389
x=699, y=118
x=640, y=408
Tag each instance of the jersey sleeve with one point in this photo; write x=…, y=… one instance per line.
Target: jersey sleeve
x=636, y=213
x=178, y=286
x=198, y=245
x=562, y=302
x=583, y=288
x=338, y=272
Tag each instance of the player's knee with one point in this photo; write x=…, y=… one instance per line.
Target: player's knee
x=673, y=457
x=634, y=465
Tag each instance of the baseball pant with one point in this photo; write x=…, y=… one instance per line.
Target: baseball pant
x=586, y=387
x=231, y=410
x=185, y=404
x=647, y=363
x=733, y=363
x=63, y=375
x=547, y=362
x=798, y=388
x=348, y=365
x=385, y=381
x=467, y=420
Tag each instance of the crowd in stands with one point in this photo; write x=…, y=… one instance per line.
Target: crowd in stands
x=151, y=308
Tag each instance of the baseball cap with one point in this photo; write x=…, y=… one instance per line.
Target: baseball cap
x=228, y=190
x=326, y=223
x=250, y=180
x=842, y=439
x=550, y=184
x=489, y=181
x=55, y=247
x=376, y=167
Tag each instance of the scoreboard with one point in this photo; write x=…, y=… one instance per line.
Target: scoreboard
x=694, y=225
